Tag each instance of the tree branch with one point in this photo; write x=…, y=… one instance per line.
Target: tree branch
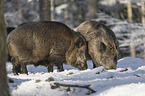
x=57, y=85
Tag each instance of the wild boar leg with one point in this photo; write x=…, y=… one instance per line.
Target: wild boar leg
x=60, y=67
x=16, y=66
x=93, y=59
x=50, y=67
x=24, y=68
x=16, y=69
x=94, y=66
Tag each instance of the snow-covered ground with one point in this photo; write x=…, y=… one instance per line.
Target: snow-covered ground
x=127, y=80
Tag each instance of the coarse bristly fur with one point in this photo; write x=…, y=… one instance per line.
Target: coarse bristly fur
x=48, y=43
x=102, y=44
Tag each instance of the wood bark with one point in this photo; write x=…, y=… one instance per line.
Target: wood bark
x=129, y=10
x=57, y=85
x=92, y=8
x=143, y=21
x=4, y=89
x=53, y=9
x=143, y=13
x=45, y=12
x=19, y=12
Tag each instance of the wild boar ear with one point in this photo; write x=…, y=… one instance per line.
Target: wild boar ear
x=79, y=42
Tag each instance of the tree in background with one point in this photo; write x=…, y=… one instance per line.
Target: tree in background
x=4, y=89
x=92, y=8
x=45, y=12
x=19, y=12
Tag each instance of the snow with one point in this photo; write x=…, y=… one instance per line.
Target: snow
x=60, y=8
x=127, y=80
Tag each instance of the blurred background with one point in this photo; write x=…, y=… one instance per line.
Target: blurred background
x=125, y=17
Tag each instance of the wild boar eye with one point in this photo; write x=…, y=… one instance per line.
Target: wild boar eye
x=102, y=47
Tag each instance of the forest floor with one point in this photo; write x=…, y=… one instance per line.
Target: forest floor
x=127, y=80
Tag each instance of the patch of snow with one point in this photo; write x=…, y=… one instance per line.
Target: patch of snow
x=127, y=80
x=134, y=63
x=60, y=8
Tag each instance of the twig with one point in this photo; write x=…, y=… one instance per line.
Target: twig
x=69, y=85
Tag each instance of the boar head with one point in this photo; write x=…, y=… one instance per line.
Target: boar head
x=102, y=44
x=76, y=56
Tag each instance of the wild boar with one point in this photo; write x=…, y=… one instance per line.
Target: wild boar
x=103, y=47
x=48, y=43
x=9, y=29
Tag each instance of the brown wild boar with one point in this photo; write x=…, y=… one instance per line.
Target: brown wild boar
x=102, y=44
x=48, y=43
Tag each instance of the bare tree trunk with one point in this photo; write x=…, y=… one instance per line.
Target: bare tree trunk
x=129, y=10
x=143, y=13
x=53, y=9
x=132, y=49
x=45, y=12
x=92, y=8
x=82, y=13
x=4, y=89
x=19, y=12
x=143, y=21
